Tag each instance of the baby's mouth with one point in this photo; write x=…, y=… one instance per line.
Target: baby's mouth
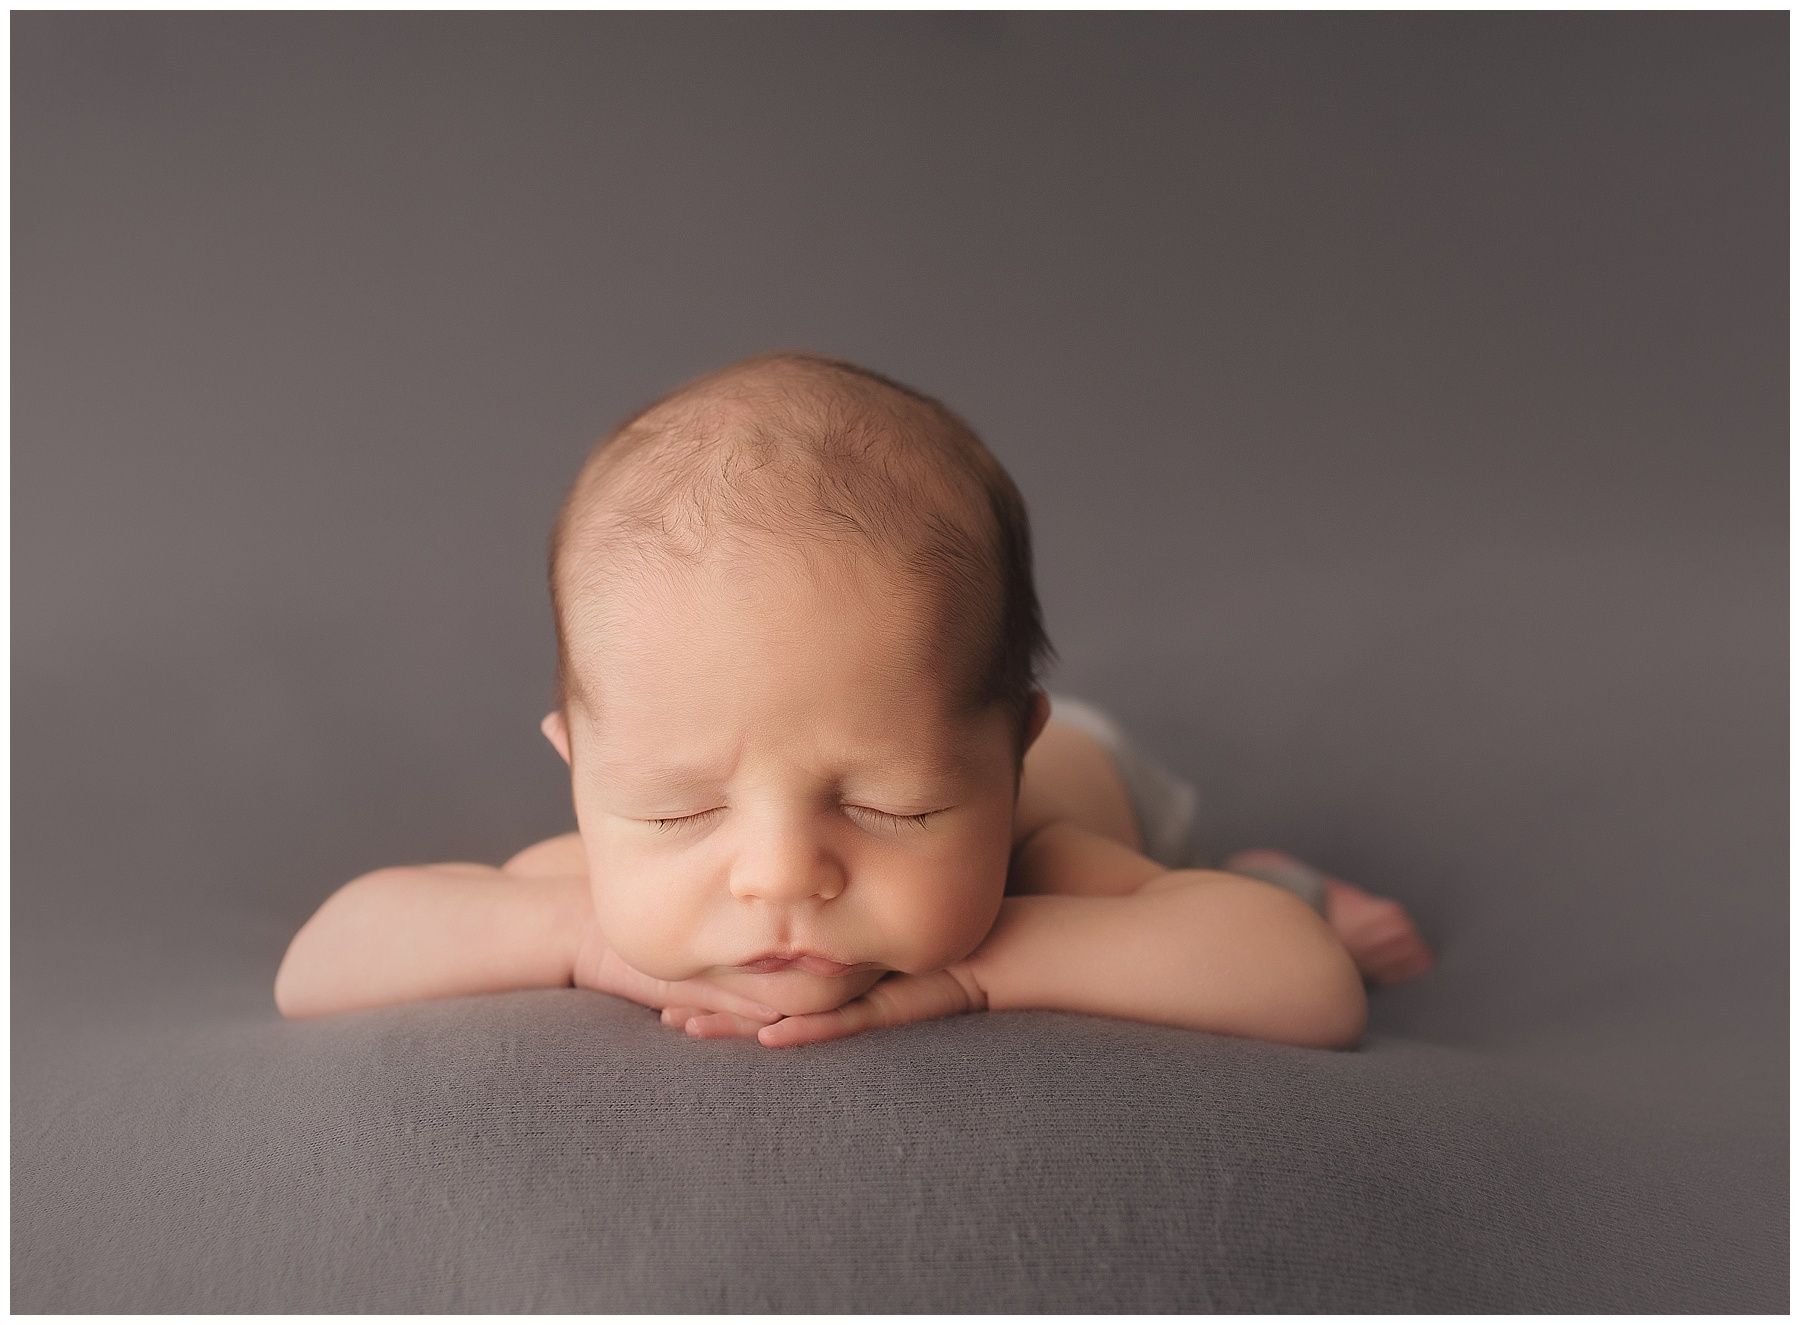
x=807, y=962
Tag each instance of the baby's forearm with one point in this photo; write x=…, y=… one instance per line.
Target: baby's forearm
x=398, y=935
x=1194, y=948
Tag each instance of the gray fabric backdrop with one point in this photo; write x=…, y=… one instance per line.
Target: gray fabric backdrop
x=1401, y=403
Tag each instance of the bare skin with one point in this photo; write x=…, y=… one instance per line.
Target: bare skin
x=788, y=826
x=1069, y=777
x=1061, y=917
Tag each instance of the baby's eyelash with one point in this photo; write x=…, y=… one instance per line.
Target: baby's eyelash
x=664, y=825
x=914, y=820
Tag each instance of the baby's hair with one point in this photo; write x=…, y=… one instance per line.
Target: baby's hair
x=793, y=448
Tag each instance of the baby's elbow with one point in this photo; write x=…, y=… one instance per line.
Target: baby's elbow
x=301, y=981
x=293, y=997
x=1312, y=993
x=1328, y=1007
x=1340, y=1010
x=1346, y=1020
x=284, y=1004
x=287, y=1001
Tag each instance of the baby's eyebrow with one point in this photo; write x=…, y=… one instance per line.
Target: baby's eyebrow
x=651, y=778
x=674, y=777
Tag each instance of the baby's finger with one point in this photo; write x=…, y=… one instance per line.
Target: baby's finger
x=711, y=998
x=678, y=1016
x=812, y=1027
x=893, y=1002
x=722, y=1026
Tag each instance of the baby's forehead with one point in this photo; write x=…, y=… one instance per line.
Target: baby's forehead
x=659, y=766
x=634, y=751
x=748, y=624
x=736, y=563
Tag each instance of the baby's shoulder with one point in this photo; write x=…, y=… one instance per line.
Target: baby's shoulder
x=1072, y=860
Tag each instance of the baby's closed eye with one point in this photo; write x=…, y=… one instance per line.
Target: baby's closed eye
x=880, y=816
x=901, y=820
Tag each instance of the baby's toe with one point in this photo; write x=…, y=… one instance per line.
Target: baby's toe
x=1398, y=961
x=1381, y=922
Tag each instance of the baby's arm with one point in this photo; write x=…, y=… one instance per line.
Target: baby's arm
x=1197, y=948
x=414, y=932
x=435, y=931
x=1105, y=931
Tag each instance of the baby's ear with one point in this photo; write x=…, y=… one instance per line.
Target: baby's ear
x=1036, y=716
x=556, y=731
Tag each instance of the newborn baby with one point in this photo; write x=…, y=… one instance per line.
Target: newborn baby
x=817, y=786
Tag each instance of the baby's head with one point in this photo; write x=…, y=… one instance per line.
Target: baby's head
x=796, y=624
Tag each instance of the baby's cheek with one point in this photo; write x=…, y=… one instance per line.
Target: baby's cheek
x=947, y=926
x=652, y=938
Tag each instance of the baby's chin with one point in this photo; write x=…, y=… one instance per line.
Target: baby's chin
x=794, y=993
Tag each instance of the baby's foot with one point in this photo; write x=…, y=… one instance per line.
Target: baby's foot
x=1379, y=934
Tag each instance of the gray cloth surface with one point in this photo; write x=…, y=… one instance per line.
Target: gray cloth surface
x=1400, y=399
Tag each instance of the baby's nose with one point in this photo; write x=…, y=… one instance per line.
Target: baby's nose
x=823, y=881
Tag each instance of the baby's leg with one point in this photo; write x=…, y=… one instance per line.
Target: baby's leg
x=1154, y=812
x=1070, y=777
x=1378, y=932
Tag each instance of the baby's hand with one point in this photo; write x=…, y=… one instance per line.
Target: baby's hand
x=893, y=1001
x=704, y=1024
x=716, y=1011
